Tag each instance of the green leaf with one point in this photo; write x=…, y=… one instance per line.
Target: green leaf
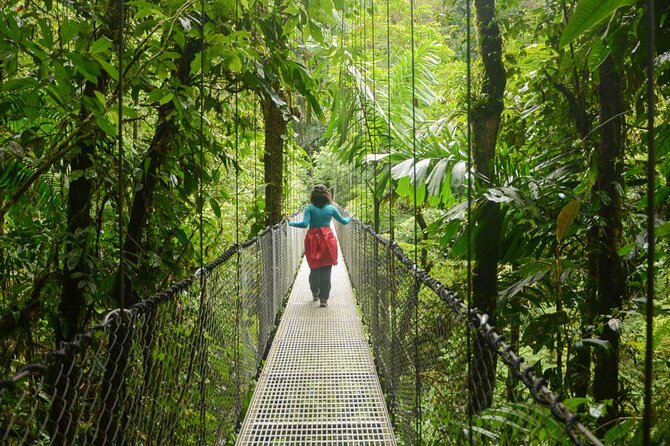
x=19, y=84
x=85, y=66
x=598, y=53
x=598, y=343
x=101, y=45
x=32, y=105
x=565, y=219
x=663, y=229
x=619, y=432
x=165, y=99
x=181, y=236
x=215, y=207
x=589, y=13
x=232, y=61
x=68, y=30
x=106, y=124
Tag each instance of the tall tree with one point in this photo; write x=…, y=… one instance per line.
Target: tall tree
x=79, y=238
x=275, y=131
x=486, y=113
x=167, y=128
x=611, y=278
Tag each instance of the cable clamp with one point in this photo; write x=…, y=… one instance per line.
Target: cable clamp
x=202, y=272
x=114, y=313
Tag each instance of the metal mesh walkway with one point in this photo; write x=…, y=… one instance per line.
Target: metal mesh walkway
x=319, y=385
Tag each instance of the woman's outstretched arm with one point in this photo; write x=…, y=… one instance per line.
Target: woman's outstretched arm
x=306, y=219
x=339, y=218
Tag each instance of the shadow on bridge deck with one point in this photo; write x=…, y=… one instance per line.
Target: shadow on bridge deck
x=319, y=384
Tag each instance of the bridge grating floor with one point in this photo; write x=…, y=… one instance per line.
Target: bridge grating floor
x=319, y=385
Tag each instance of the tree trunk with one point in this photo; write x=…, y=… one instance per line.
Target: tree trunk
x=611, y=280
x=275, y=129
x=79, y=234
x=166, y=130
x=485, y=123
x=79, y=238
x=578, y=372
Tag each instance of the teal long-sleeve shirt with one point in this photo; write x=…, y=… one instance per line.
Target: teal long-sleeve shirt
x=316, y=217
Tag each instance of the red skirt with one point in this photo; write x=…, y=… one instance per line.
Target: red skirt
x=320, y=247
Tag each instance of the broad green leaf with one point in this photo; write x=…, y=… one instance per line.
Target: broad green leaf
x=437, y=176
x=68, y=30
x=598, y=343
x=502, y=195
x=403, y=169
x=85, y=66
x=108, y=67
x=157, y=95
x=663, y=229
x=232, y=61
x=215, y=207
x=165, y=99
x=100, y=98
x=106, y=123
x=620, y=431
x=19, y=84
x=101, y=45
x=565, y=219
x=458, y=174
x=598, y=53
x=589, y=13
x=33, y=105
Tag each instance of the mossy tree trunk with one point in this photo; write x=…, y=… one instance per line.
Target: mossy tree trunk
x=485, y=124
x=609, y=187
x=275, y=131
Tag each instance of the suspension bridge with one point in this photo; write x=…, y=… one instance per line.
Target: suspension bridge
x=190, y=365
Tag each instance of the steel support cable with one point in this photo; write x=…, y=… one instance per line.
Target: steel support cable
x=375, y=207
x=460, y=313
x=364, y=72
x=201, y=256
x=120, y=55
x=417, y=365
x=255, y=157
x=650, y=25
x=391, y=270
x=388, y=108
x=159, y=378
x=238, y=297
x=468, y=223
x=357, y=124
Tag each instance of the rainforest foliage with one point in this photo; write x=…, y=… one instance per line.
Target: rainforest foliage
x=255, y=101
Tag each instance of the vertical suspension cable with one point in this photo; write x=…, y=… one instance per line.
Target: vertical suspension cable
x=468, y=225
x=375, y=209
x=391, y=272
x=238, y=298
x=650, y=24
x=416, y=234
x=120, y=54
x=201, y=250
x=388, y=105
x=357, y=123
x=366, y=129
x=255, y=158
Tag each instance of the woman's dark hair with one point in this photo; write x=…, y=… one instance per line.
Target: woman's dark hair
x=320, y=196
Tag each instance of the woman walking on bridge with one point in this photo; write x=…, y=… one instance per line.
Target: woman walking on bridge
x=320, y=242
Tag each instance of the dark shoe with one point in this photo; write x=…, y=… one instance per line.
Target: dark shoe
x=324, y=303
x=315, y=297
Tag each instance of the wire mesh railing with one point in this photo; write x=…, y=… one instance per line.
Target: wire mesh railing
x=419, y=332
x=175, y=368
